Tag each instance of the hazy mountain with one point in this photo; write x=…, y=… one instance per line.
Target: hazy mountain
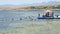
x=8, y=5
x=51, y=3
x=33, y=4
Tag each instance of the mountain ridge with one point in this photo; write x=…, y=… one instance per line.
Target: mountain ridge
x=50, y=3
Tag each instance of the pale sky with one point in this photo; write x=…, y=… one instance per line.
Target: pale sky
x=17, y=2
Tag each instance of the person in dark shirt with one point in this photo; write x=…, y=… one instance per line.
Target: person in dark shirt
x=47, y=14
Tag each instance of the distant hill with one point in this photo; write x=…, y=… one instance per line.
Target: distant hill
x=51, y=3
x=34, y=4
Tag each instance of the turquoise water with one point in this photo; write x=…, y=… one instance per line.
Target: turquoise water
x=18, y=16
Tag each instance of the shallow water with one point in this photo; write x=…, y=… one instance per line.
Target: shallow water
x=18, y=21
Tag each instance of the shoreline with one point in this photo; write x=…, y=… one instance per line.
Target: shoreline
x=27, y=9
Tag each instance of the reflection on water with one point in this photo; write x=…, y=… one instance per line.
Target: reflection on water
x=26, y=22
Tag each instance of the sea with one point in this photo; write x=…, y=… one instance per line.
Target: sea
x=26, y=22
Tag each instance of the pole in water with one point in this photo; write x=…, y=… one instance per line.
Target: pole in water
x=38, y=14
x=20, y=18
x=12, y=19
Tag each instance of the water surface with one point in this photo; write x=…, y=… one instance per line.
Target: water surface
x=18, y=21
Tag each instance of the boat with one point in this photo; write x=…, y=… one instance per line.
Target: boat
x=48, y=18
x=48, y=15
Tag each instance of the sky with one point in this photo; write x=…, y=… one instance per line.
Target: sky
x=19, y=2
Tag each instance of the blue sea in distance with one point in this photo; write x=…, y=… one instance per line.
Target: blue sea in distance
x=8, y=17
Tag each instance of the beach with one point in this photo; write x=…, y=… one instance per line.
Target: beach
x=29, y=8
